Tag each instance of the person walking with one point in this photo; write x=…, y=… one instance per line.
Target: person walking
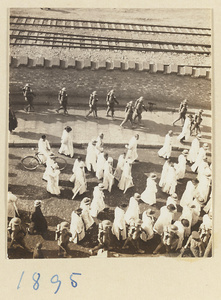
x=63, y=101
x=38, y=223
x=67, y=142
x=138, y=108
x=128, y=114
x=182, y=112
x=165, y=151
x=80, y=182
x=185, y=134
x=44, y=149
x=132, y=148
x=149, y=195
x=13, y=123
x=77, y=226
x=197, y=122
x=92, y=105
x=29, y=98
x=111, y=100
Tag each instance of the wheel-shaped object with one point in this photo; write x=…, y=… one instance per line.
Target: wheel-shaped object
x=30, y=162
x=62, y=163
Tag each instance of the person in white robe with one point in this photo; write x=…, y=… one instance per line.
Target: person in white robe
x=189, y=193
x=147, y=225
x=201, y=155
x=149, y=195
x=91, y=156
x=44, y=149
x=12, y=205
x=181, y=166
x=173, y=199
x=119, y=225
x=181, y=225
x=85, y=214
x=203, y=169
x=166, y=150
x=120, y=166
x=67, y=142
x=80, y=182
x=77, y=226
x=97, y=204
x=205, y=229
x=53, y=180
x=108, y=179
x=204, y=186
x=185, y=134
x=49, y=162
x=77, y=162
x=133, y=210
x=132, y=148
x=195, y=209
x=165, y=218
x=187, y=214
x=170, y=184
x=100, y=143
x=126, y=180
x=164, y=172
x=101, y=160
x=208, y=205
x=194, y=149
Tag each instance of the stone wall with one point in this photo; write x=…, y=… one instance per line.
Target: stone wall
x=130, y=79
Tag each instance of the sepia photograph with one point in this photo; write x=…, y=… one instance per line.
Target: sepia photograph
x=109, y=133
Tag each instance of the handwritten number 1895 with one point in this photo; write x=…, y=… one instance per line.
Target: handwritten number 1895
x=54, y=279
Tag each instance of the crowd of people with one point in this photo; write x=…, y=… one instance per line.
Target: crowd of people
x=187, y=234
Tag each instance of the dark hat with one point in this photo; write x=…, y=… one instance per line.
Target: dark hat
x=150, y=212
x=101, y=186
x=68, y=128
x=171, y=207
x=185, y=222
x=86, y=201
x=124, y=205
x=16, y=221
x=137, y=196
x=78, y=211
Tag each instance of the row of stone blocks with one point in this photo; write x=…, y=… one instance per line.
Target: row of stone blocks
x=110, y=65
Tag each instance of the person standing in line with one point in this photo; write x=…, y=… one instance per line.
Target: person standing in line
x=77, y=226
x=63, y=101
x=200, y=156
x=165, y=218
x=86, y=216
x=172, y=199
x=128, y=114
x=195, y=245
x=97, y=204
x=149, y=195
x=111, y=100
x=133, y=238
x=165, y=151
x=12, y=205
x=170, y=183
x=38, y=223
x=197, y=122
x=120, y=166
x=44, y=149
x=101, y=160
x=67, y=142
x=104, y=237
x=147, y=225
x=133, y=209
x=182, y=112
x=17, y=233
x=185, y=134
x=13, y=123
x=100, y=143
x=53, y=180
x=189, y=193
x=91, y=156
x=80, y=183
x=138, y=108
x=194, y=149
x=63, y=235
x=108, y=179
x=181, y=166
x=29, y=97
x=126, y=180
x=132, y=148
x=164, y=172
x=77, y=162
x=119, y=228
x=92, y=105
